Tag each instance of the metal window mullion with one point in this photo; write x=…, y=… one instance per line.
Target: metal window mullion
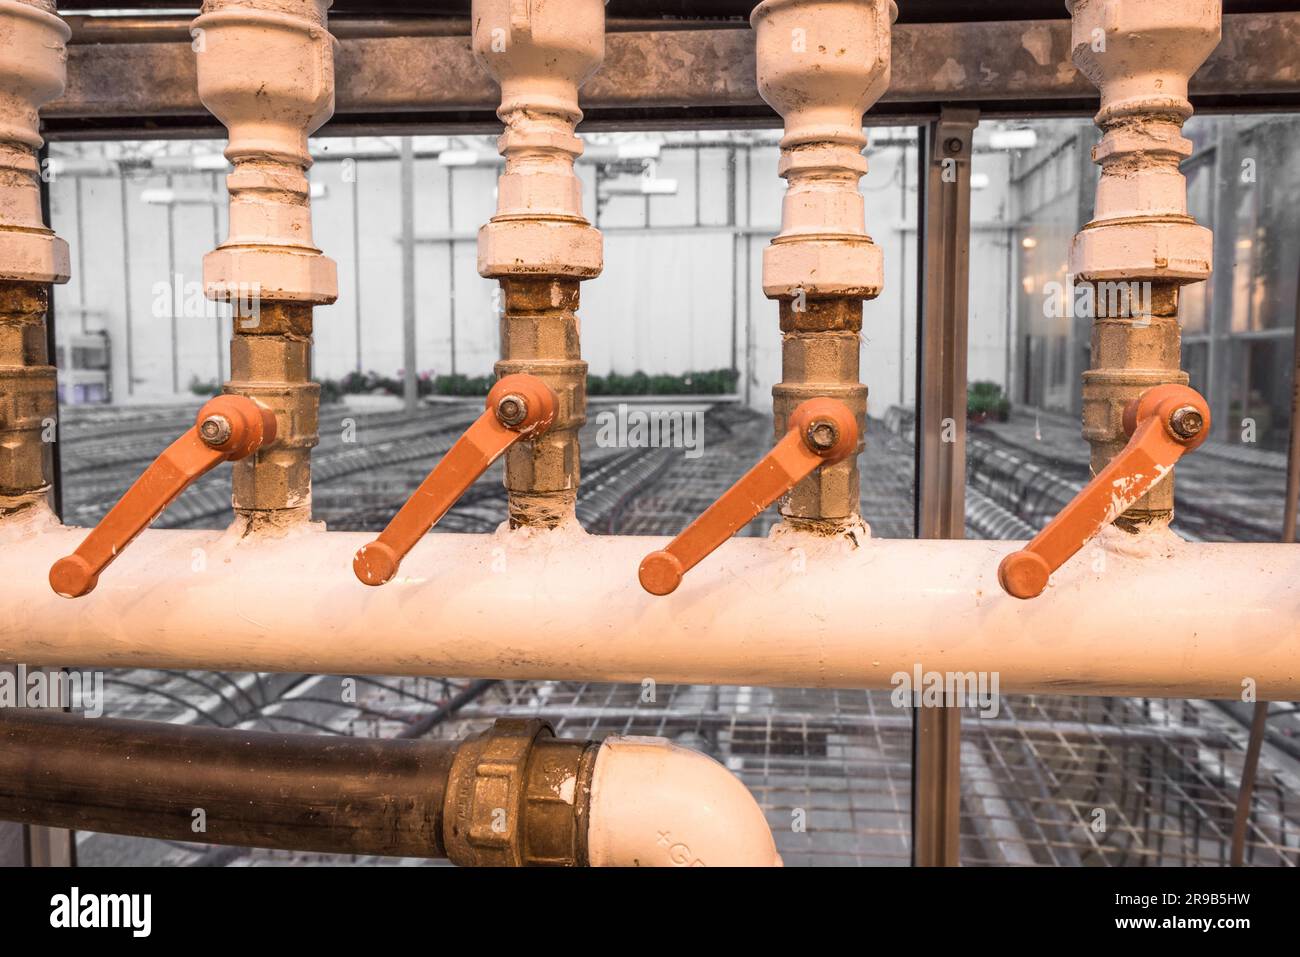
x=943, y=279
x=50, y=846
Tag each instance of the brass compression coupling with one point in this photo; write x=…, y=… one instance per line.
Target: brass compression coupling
x=517, y=796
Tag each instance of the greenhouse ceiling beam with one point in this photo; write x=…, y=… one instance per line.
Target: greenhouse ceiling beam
x=670, y=79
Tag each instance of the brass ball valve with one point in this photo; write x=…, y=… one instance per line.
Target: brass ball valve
x=1162, y=424
x=822, y=432
x=518, y=407
x=228, y=428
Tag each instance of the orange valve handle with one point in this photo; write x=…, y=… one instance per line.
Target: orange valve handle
x=1162, y=424
x=519, y=406
x=228, y=428
x=822, y=432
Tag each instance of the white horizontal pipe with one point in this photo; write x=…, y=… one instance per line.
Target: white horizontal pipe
x=1150, y=616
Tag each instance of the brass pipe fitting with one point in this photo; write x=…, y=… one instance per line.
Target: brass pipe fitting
x=1135, y=347
x=266, y=70
x=539, y=336
x=33, y=71
x=270, y=361
x=538, y=244
x=1141, y=246
x=820, y=347
x=821, y=65
x=517, y=796
x=28, y=396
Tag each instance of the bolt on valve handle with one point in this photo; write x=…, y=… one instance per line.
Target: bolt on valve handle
x=822, y=432
x=519, y=406
x=228, y=428
x=1162, y=424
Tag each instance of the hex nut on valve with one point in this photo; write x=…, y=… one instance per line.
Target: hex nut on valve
x=512, y=409
x=215, y=430
x=822, y=435
x=1187, y=422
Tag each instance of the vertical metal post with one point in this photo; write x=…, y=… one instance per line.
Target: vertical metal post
x=32, y=845
x=944, y=275
x=1259, y=717
x=48, y=846
x=451, y=264
x=903, y=212
x=410, y=388
x=52, y=347
x=172, y=278
x=81, y=239
x=1218, y=322
x=214, y=186
x=750, y=360
x=1292, y=506
x=735, y=257
x=356, y=256
x=128, y=309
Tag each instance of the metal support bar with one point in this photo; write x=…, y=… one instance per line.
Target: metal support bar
x=1259, y=717
x=941, y=449
x=944, y=294
x=52, y=350
x=1006, y=68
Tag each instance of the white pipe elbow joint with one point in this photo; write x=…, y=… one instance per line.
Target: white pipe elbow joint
x=655, y=804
